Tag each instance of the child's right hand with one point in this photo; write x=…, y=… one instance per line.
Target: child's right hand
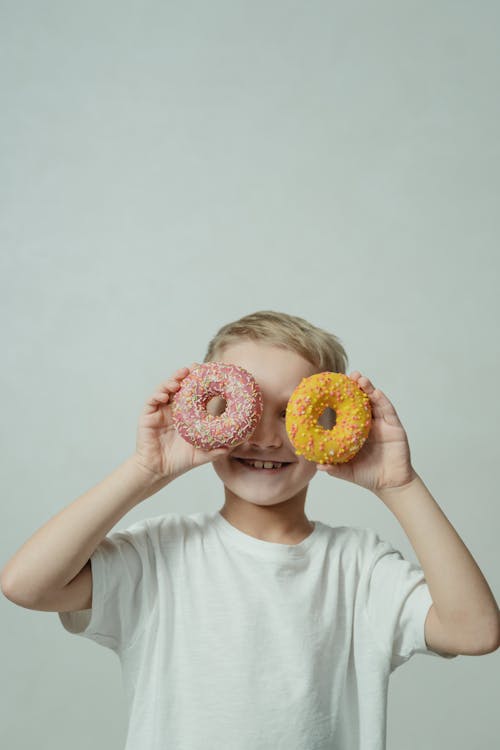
x=159, y=447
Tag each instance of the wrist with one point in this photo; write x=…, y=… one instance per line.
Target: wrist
x=153, y=480
x=390, y=492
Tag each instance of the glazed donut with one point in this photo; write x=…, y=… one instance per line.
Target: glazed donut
x=353, y=418
x=243, y=406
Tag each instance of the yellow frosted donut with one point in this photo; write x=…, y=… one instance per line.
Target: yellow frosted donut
x=353, y=418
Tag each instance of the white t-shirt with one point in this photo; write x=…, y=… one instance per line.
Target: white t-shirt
x=228, y=641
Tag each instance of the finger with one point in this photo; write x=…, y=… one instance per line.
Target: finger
x=174, y=380
x=367, y=386
x=169, y=386
x=382, y=407
x=158, y=398
x=153, y=404
x=181, y=373
x=164, y=391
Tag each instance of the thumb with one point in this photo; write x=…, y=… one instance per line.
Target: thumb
x=334, y=470
x=213, y=454
x=219, y=452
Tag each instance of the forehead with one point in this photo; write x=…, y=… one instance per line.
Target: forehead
x=277, y=371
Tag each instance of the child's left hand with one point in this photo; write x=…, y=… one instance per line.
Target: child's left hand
x=384, y=460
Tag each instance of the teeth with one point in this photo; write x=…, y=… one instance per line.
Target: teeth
x=264, y=464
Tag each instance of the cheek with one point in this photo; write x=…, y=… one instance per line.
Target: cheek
x=307, y=468
x=220, y=467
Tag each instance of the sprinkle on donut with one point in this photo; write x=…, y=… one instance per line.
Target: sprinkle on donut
x=353, y=418
x=243, y=411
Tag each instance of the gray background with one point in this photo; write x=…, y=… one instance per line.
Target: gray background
x=168, y=167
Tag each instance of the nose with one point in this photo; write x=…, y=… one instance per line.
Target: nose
x=267, y=434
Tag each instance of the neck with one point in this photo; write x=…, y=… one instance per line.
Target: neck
x=284, y=522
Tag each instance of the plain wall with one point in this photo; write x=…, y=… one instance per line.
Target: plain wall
x=169, y=167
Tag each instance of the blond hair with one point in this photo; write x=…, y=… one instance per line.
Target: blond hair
x=322, y=349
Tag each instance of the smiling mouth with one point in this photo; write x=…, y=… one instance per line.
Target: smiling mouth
x=266, y=466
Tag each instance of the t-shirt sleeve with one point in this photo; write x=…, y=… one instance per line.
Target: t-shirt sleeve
x=123, y=586
x=397, y=603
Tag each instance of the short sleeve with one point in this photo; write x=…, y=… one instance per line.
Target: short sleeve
x=397, y=603
x=123, y=575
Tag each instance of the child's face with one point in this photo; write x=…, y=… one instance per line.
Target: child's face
x=277, y=372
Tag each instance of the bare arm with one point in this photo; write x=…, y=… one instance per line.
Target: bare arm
x=51, y=571
x=466, y=619
x=58, y=551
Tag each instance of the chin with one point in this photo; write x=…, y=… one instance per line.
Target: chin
x=254, y=498
x=257, y=492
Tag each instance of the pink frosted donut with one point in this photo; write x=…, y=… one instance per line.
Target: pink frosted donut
x=243, y=406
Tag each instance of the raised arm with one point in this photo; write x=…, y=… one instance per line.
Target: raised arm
x=51, y=571
x=56, y=553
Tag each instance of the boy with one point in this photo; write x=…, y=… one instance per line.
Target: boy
x=251, y=627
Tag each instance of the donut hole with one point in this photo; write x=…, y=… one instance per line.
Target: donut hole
x=327, y=419
x=216, y=406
